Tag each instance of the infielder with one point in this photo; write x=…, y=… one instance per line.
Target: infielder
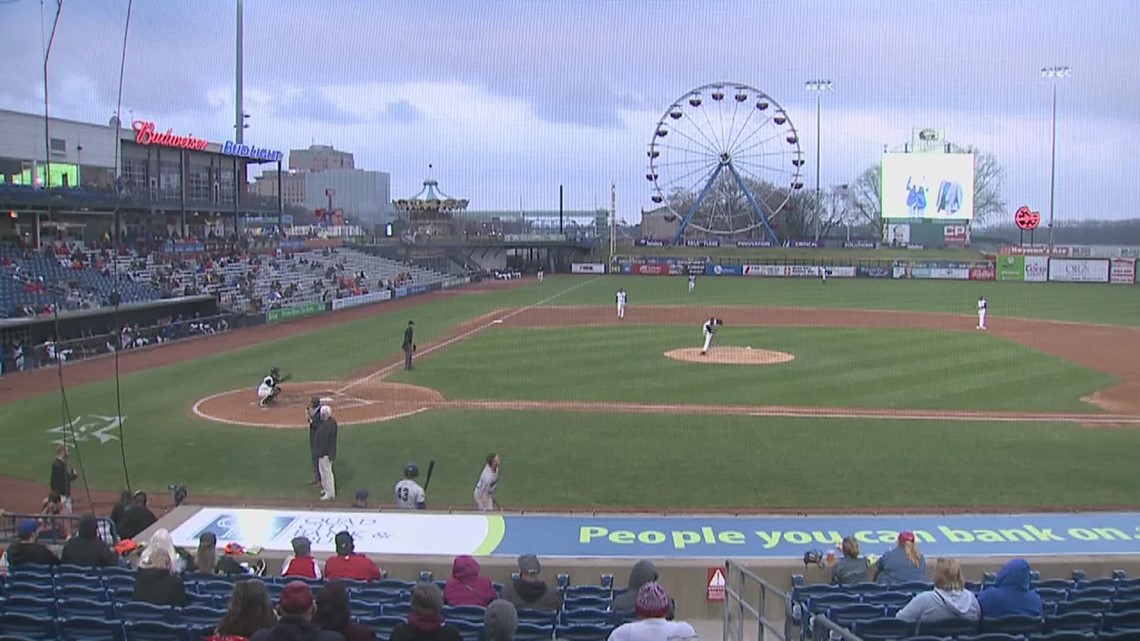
x=270, y=387
x=541, y=274
x=692, y=282
x=621, y=299
x=709, y=329
x=488, y=480
x=409, y=494
x=981, y=312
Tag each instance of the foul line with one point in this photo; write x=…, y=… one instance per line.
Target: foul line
x=465, y=335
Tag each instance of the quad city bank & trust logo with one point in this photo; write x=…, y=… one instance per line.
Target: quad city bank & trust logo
x=233, y=527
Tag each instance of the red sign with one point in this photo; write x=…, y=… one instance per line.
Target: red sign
x=1025, y=219
x=655, y=270
x=983, y=273
x=956, y=235
x=716, y=584
x=147, y=134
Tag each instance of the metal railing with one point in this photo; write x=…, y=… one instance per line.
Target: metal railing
x=54, y=528
x=824, y=629
x=746, y=599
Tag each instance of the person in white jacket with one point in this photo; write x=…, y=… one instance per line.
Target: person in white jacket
x=653, y=605
x=948, y=600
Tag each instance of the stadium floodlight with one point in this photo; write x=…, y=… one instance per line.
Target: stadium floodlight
x=1054, y=73
x=818, y=86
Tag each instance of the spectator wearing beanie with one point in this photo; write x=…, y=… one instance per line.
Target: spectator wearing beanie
x=643, y=572
x=852, y=568
x=653, y=605
x=301, y=562
x=903, y=563
x=26, y=550
x=425, y=621
x=335, y=614
x=86, y=548
x=466, y=587
x=1010, y=594
x=500, y=621
x=347, y=564
x=295, y=611
x=529, y=591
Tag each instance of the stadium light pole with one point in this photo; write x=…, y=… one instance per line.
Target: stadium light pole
x=818, y=86
x=1053, y=74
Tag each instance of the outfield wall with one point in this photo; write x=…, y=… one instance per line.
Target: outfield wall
x=314, y=308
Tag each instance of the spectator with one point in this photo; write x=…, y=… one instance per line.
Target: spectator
x=87, y=548
x=500, y=621
x=347, y=564
x=333, y=613
x=250, y=610
x=425, y=621
x=160, y=541
x=466, y=587
x=62, y=476
x=301, y=562
x=652, y=606
x=54, y=527
x=1010, y=594
x=326, y=452
x=643, y=572
x=27, y=550
x=902, y=563
x=295, y=609
x=155, y=583
x=120, y=508
x=852, y=568
x=137, y=517
x=948, y=600
x=529, y=590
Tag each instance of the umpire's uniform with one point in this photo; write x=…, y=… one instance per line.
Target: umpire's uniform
x=409, y=345
x=314, y=423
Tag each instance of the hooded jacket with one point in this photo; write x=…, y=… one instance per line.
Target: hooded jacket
x=160, y=587
x=466, y=587
x=532, y=595
x=86, y=548
x=643, y=572
x=1010, y=594
x=30, y=553
x=941, y=605
x=294, y=628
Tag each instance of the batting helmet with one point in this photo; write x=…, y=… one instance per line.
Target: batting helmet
x=411, y=470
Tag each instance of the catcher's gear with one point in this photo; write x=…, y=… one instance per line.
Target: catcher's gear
x=411, y=471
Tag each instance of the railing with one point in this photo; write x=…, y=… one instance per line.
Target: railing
x=54, y=528
x=746, y=598
x=824, y=629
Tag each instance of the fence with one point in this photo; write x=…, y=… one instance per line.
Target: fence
x=54, y=528
x=747, y=598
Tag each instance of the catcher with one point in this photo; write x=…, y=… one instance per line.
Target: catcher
x=270, y=386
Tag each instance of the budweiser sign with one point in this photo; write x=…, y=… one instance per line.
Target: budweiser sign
x=147, y=134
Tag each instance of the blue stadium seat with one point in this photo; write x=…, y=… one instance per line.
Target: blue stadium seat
x=586, y=616
x=464, y=613
x=200, y=632
x=890, y=598
x=536, y=617
x=583, y=633
x=884, y=629
x=73, y=578
x=91, y=629
x=400, y=610
x=818, y=604
x=156, y=631
x=393, y=584
x=23, y=587
x=1053, y=594
x=948, y=628
x=534, y=632
x=601, y=591
x=214, y=588
x=1064, y=635
x=1127, y=620
x=591, y=602
x=991, y=636
x=1105, y=592
x=202, y=615
x=85, y=608
x=31, y=571
x=140, y=611
x=1125, y=604
x=846, y=615
x=383, y=625
x=468, y=630
x=380, y=595
x=116, y=570
x=117, y=581
x=1079, y=621
x=1012, y=625
x=121, y=595
x=81, y=592
x=27, y=625
x=1083, y=605
x=1059, y=584
x=359, y=609
x=31, y=605
x=1119, y=635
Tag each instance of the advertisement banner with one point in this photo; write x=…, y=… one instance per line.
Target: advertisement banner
x=754, y=243
x=1032, y=250
x=587, y=268
x=724, y=270
x=806, y=243
x=983, y=272
x=296, y=311
x=764, y=270
x=455, y=282
x=291, y=244
x=956, y=236
x=1011, y=268
x=873, y=272
x=1103, y=251
x=1036, y=269
x=797, y=271
x=896, y=234
x=651, y=270
x=649, y=242
x=702, y=242
x=363, y=299
x=860, y=244
x=1078, y=270
x=1123, y=271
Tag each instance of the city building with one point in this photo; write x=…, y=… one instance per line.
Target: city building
x=320, y=158
x=292, y=186
x=364, y=196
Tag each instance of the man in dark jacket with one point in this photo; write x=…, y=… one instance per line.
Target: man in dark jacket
x=326, y=452
x=314, y=414
x=156, y=584
x=120, y=507
x=409, y=344
x=295, y=609
x=62, y=476
x=27, y=551
x=643, y=572
x=136, y=518
x=529, y=591
x=86, y=548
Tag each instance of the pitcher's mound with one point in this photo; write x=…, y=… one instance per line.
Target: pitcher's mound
x=366, y=402
x=731, y=355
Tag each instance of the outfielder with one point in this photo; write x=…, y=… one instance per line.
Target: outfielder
x=692, y=282
x=270, y=387
x=621, y=298
x=709, y=329
x=409, y=494
x=981, y=312
x=488, y=480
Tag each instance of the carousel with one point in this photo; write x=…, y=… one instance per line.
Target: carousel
x=431, y=212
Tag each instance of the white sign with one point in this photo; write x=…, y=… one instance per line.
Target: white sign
x=931, y=186
x=1123, y=271
x=587, y=268
x=94, y=428
x=363, y=299
x=373, y=532
x=764, y=270
x=1036, y=269
x=1078, y=270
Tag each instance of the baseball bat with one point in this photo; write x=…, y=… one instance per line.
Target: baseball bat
x=431, y=468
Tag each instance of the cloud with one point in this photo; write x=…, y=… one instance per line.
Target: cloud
x=401, y=112
x=308, y=104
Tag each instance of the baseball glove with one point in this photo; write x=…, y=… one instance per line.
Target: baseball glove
x=284, y=377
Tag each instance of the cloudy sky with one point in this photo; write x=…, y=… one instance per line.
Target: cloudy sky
x=509, y=99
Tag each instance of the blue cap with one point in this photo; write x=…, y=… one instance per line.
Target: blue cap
x=28, y=527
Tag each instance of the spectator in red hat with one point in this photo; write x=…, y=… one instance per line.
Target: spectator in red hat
x=347, y=564
x=652, y=606
x=466, y=587
x=295, y=611
x=903, y=563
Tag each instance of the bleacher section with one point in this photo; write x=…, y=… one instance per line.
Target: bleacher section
x=68, y=287
x=1076, y=609
x=71, y=602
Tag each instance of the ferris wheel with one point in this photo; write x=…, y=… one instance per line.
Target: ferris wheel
x=725, y=159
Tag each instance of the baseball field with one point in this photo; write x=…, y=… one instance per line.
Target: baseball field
x=892, y=400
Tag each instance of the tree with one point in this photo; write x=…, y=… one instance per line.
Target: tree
x=865, y=199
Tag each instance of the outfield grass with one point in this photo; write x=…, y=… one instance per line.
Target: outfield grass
x=833, y=367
